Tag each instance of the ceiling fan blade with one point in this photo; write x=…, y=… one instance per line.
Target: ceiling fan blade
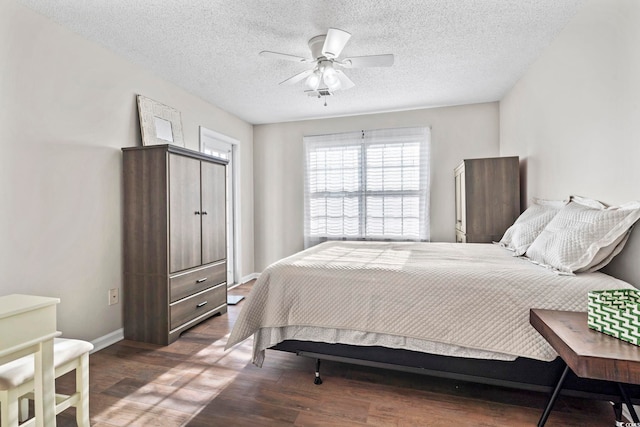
x=285, y=56
x=345, y=82
x=368, y=61
x=295, y=79
x=334, y=42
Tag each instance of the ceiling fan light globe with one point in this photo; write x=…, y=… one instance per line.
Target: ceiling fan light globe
x=313, y=81
x=330, y=78
x=334, y=85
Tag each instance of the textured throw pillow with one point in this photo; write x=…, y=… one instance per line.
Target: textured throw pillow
x=530, y=224
x=584, y=236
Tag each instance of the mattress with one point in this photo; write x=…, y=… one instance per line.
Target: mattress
x=469, y=300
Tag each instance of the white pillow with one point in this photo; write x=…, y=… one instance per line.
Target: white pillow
x=584, y=236
x=530, y=224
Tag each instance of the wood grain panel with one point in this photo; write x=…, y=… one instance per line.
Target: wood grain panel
x=590, y=354
x=145, y=211
x=184, y=213
x=146, y=311
x=197, y=305
x=489, y=198
x=214, y=236
x=145, y=287
x=194, y=281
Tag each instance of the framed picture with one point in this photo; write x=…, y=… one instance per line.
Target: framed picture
x=159, y=123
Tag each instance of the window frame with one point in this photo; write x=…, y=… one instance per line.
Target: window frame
x=363, y=141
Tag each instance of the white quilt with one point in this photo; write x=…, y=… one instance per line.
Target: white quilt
x=469, y=295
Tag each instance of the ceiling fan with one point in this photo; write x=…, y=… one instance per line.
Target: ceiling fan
x=325, y=53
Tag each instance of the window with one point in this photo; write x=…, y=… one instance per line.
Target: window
x=367, y=185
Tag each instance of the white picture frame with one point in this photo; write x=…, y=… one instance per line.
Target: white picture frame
x=159, y=123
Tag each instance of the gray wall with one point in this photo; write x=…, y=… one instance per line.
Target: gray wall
x=468, y=131
x=67, y=106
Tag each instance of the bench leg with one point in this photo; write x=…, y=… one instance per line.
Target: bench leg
x=82, y=387
x=23, y=414
x=625, y=398
x=8, y=409
x=44, y=385
x=554, y=396
x=617, y=410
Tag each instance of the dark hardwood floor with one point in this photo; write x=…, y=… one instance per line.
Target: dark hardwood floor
x=194, y=382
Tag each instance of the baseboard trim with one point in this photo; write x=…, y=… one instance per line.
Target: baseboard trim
x=244, y=280
x=106, y=340
x=250, y=277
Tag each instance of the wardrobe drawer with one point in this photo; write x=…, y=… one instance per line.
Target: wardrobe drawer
x=194, y=281
x=197, y=305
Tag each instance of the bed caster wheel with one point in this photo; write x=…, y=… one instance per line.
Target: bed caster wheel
x=317, y=380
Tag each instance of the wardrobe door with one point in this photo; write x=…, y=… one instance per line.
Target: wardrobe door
x=184, y=213
x=213, y=180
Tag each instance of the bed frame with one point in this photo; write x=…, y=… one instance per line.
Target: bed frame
x=522, y=373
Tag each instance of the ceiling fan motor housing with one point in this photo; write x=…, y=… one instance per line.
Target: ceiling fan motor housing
x=315, y=44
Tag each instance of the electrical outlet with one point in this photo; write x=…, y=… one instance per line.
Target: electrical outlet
x=114, y=296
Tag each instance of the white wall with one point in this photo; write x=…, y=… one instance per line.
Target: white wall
x=575, y=116
x=67, y=106
x=457, y=133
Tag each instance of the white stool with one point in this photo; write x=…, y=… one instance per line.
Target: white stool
x=16, y=383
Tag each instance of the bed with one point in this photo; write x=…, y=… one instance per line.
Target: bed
x=445, y=309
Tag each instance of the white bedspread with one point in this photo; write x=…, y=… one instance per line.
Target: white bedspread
x=476, y=296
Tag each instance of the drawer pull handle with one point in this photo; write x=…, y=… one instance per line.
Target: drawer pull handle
x=196, y=213
x=201, y=280
x=202, y=304
x=204, y=212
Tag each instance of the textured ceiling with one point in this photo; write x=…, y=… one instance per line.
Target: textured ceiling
x=447, y=52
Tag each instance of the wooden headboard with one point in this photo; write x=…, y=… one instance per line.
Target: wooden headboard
x=626, y=265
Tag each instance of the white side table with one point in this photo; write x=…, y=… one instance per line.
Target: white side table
x=28, y=325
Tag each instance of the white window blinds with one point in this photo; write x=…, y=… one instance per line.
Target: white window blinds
x=367, y=185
